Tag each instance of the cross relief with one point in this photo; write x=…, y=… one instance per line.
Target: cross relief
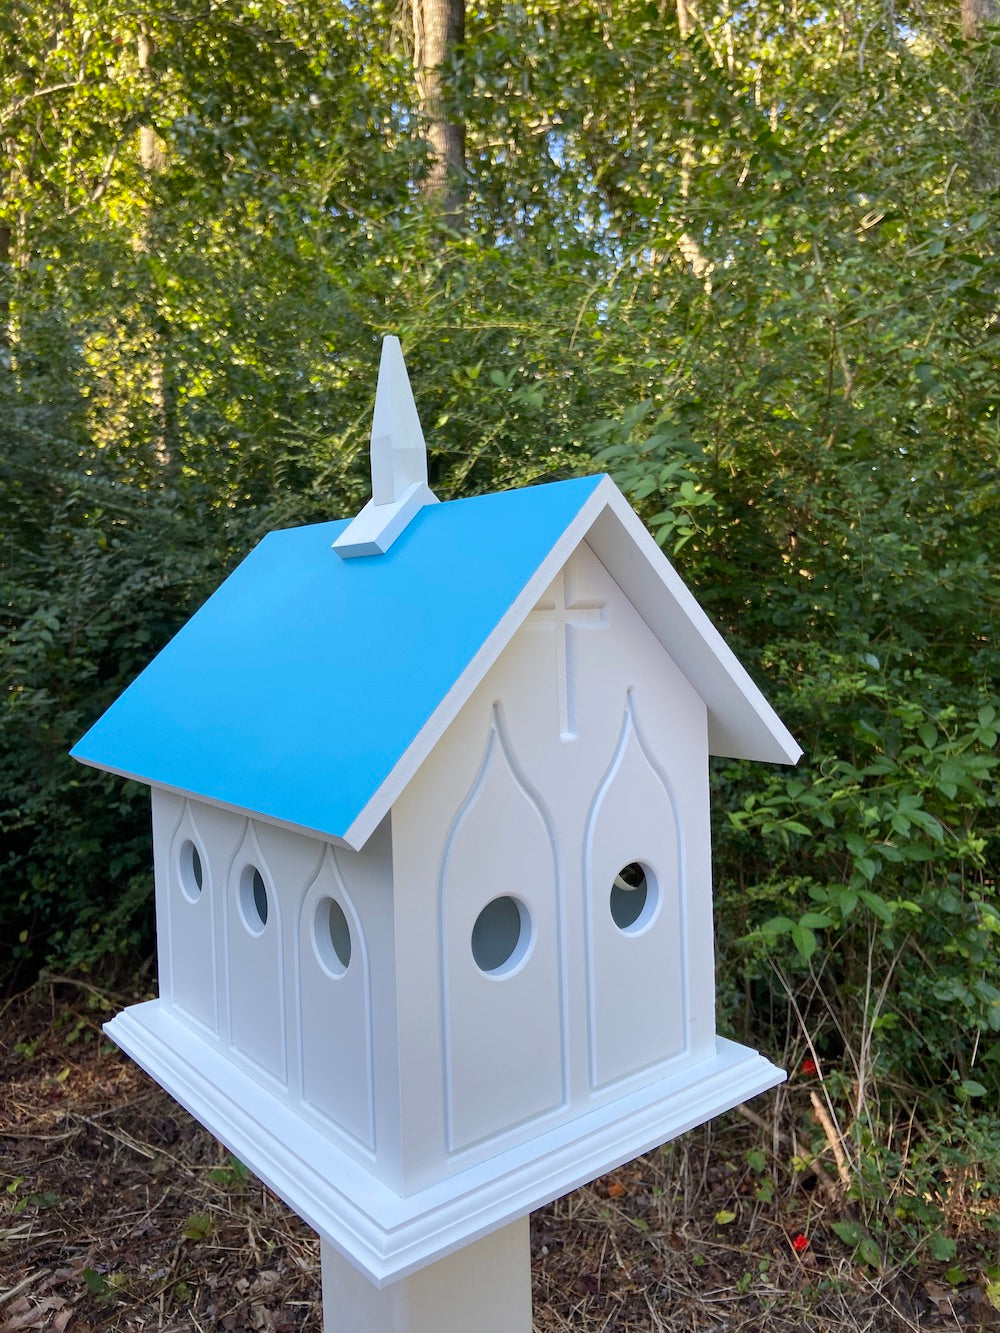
x=565, y=615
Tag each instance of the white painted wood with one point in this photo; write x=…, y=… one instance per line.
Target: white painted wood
x=334, y=1005
x=339, y=1035
x=583, y=748
x=389, y=1234
x=193, y=966
x=166, y=811
x=560, y=613
x=500, y=890
x=368, y=876
x=376, y=527
x=424, y=744
x=398, y=451
x=256, y=961
x=228, y=808
x=485, y=1287
x=631, y=666
x=741, y=722
x=420, y=1025
x=398, y=463
x=625, y=1008
x=417, y=1042
x=637, y=975
x=292, y=862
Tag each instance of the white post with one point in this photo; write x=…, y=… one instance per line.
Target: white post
x=485, y=1286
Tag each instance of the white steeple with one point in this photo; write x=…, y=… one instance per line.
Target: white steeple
x=398, y=463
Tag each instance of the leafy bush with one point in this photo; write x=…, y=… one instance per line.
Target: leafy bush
x=751, y=271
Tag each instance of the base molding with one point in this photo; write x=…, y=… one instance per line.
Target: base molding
x=387, y=1236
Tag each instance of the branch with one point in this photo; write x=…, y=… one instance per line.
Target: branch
x=815, y=1166
x=19, y=102
x=104, y=179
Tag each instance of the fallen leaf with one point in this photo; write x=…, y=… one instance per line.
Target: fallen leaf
x=940, y=1296
x=36, y=1315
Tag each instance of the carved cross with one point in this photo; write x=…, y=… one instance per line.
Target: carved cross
x=565, y=615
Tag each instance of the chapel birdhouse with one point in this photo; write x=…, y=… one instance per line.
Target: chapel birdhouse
x=431, y=823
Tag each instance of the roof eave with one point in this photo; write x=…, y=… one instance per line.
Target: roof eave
x=434, y=728
x=742, y=724
x=192, y=795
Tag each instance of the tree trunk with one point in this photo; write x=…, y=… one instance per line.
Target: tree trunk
x=977, y=13
x=5, y=240
x=984, y=76
x=688, y=244
x=438, y=34
x=153, y=157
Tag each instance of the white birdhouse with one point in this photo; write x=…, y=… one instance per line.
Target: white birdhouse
x=433, y=885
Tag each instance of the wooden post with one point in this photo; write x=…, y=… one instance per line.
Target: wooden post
x=485, y=1286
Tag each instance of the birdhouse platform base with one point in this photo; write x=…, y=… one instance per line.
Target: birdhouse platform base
x=485, y=1286
x=388, y=1236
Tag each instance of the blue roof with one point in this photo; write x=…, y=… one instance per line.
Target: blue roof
x=297, y=688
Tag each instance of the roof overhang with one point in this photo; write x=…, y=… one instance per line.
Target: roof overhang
x=308, y=690
x=741, y=723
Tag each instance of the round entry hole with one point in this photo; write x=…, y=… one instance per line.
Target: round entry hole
x=192, y=875
x=500, y=936
x=333, y=936
x=633, y=897
x=253, y=900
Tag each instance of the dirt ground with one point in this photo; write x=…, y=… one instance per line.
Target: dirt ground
x=118, y=1212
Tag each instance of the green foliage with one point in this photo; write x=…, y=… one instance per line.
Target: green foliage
x=866, y=1249
x=18, y=1203
x=752, y=271
x=884, y=850
x=907, y=1197
x=232, y=1178
x=199, y=1226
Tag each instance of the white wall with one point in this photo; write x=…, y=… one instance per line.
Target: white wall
x=273, y=993
x=584, y=749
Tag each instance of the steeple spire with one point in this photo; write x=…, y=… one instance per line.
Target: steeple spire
x=398, y=463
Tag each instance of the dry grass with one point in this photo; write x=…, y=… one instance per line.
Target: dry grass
x=118, y=1212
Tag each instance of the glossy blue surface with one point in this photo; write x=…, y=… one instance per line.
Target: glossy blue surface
x=301, y=682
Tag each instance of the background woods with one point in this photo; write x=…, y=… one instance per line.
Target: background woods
x=742, y=257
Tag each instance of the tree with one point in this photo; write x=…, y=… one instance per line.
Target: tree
x=438, y=38
x=977, y=15
x=812, y=435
